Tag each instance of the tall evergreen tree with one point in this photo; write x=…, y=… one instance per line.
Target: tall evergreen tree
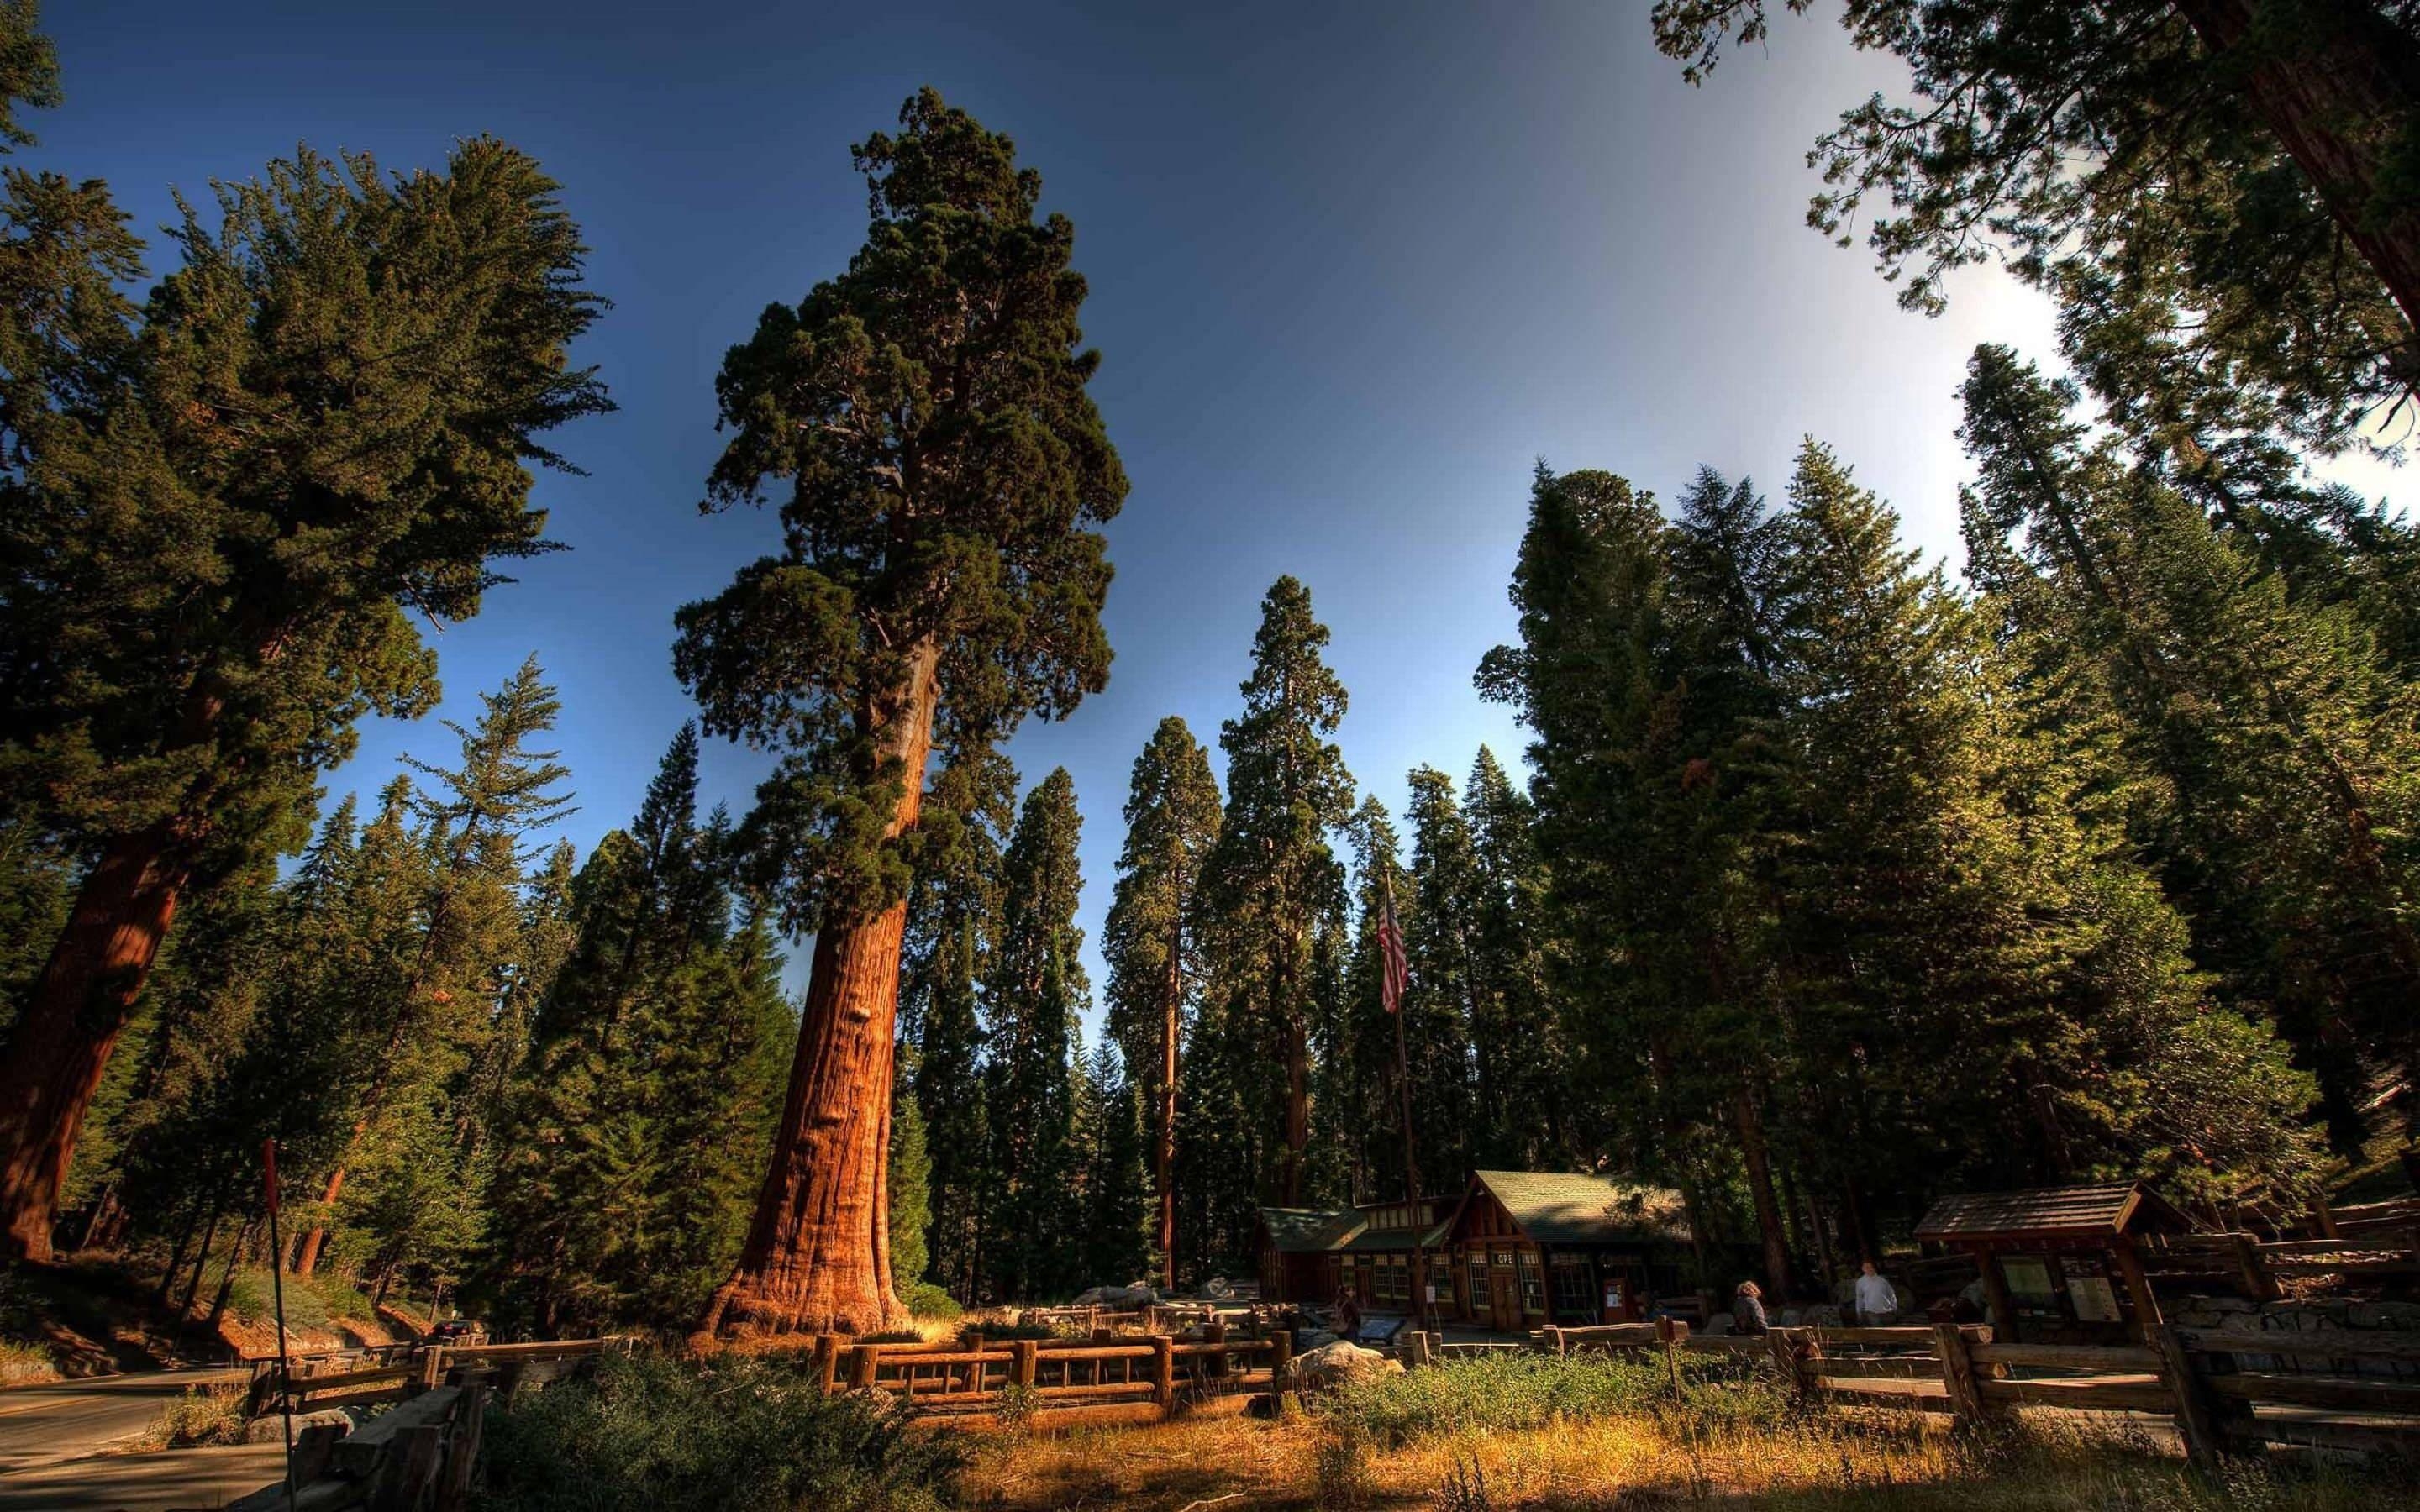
x=1272, y=875
x=195, y=609
x=1034, y=994
x=938, y=577
x=2257, y=743
x=1157, y=969
x=1520, y=1057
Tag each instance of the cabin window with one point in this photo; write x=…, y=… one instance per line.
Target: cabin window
x=1574, y=1291
x=1533, y=1285
x=1478, y=1277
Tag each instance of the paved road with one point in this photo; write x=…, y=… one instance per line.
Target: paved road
x=175, y=1481
x=68, y=1419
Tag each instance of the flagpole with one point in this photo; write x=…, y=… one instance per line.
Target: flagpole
x=1411, y=1156
x=277, y=1295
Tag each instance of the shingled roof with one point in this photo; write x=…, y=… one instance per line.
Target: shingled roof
x=2104, y=1211
x=1310, y=1231
x=1555, y=1208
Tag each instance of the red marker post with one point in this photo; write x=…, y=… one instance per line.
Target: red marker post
x=277, y=1294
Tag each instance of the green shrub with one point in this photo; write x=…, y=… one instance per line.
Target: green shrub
x=892, y=1335
x=926, y=1300
x=732, y=1434
x=1510, y=1392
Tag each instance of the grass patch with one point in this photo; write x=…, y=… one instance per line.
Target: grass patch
x=1617, y=1446
x=928, y=1301
x=1521, y=1393
x=204, y=1415
x=23, y=1363
x=735, y=1433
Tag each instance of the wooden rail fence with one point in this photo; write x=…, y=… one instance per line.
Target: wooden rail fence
x=1061, y=1382
x=2201, y=1378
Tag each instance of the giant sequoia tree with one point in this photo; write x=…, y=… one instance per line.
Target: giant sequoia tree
x=219, y=508
x=1155, y=968
x=926, y=412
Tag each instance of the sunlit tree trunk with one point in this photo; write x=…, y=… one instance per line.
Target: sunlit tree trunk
x=70, y=1022
x=818, y=1253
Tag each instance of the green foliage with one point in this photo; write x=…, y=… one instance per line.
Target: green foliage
x=1273, y=901
x=734, y=1435
x=1033, y=995
x=640, y=1118
x=1513, y=1393
x=926, y=1300
x=2123, y=155
x=911, y=1210
x=943, y=477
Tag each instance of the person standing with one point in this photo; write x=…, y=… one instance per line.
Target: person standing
x=1877, y=1301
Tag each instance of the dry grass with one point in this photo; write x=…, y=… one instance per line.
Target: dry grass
x=23, y=1365
x=204, y=1415
x=1634, y=1462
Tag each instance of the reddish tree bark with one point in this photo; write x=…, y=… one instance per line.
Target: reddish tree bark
x=818, y=1253
x=2337, y=101
x=1749, y=1120
x=71, y=1020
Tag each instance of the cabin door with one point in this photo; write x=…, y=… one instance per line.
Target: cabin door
x=1504, y=1301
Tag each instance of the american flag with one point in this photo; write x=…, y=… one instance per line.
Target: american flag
x=1397, y=973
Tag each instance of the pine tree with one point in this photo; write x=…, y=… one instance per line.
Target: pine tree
x=1034, y=994
x=910, y=1175
x=2251, y=742
x=1157, y=963
x=427, y=1025
x=1520, y=1060
x=938, y=574
x=1272, y=875
x=181, y=651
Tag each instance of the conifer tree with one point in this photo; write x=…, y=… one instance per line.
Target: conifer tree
x=939, y=579
x=2257, y=742
x=1034, y=994
x=2228, y=176
x=425, y=1024
x=1152, y=939
x=1520, y=1060
x=184, y=646
x=910, y=1175
x=1272, y=875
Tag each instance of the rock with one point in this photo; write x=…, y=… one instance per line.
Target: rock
x=1313, y=1339
x=1217, y=1288
x=271, y=1429
x=1720, y=1324
x=1337, y=1363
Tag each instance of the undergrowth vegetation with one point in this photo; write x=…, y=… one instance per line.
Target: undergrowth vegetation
x=203, y=1415
x=734, y=1433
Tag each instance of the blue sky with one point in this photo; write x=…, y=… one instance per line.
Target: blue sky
x=1354, y=269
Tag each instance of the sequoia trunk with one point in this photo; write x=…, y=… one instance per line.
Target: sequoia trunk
x=70, y=1022
x=818, y=1253
x=2339, y=95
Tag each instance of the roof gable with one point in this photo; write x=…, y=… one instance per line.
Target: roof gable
x=1559, y=1208
x=1310, y=1231
x=2103, y=1211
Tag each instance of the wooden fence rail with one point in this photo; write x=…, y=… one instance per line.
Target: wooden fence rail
x=2203, y=1378
x=1049, y=1382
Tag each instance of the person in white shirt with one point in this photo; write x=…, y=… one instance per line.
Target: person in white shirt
x=1877, y=1304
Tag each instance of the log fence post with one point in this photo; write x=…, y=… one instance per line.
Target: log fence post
x=2259, y=1282
x=1667, y=1334
x=1555, y=1340
x=1958, y=1372
x=827, y=1359
x=2196, y=1410
x=1281, y=1356
x=1029, y=1355
x=1163, y=1372
x=863, y=1365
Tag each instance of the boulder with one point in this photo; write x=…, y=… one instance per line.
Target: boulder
x=1217, y=1288
x=271, y=1429
x=1337, y=1363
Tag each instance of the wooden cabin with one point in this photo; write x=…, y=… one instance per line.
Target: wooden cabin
x=1297, y=1247
x=2060, y=1265
x=1531, y=1248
